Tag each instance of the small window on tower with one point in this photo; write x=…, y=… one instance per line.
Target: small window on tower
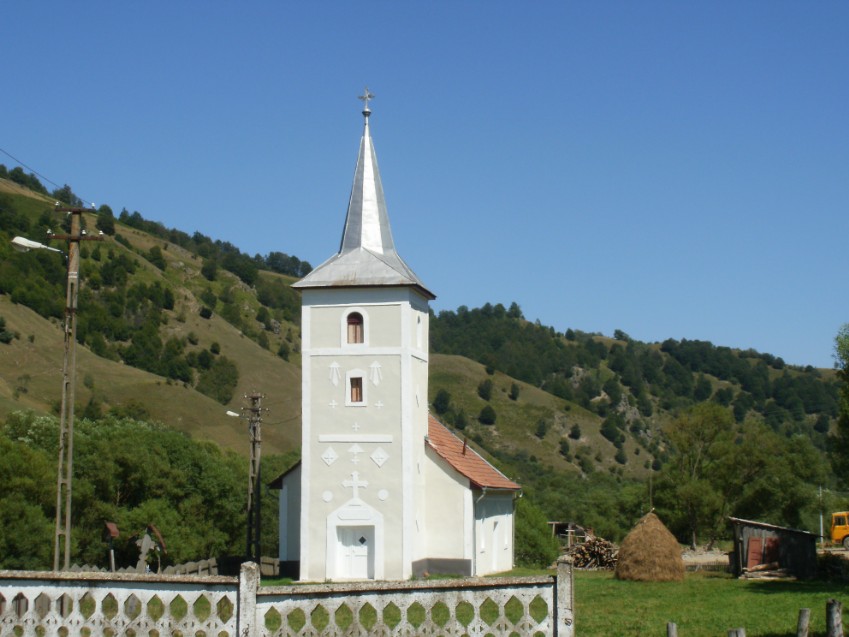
x=355, y=328
x=356, y=390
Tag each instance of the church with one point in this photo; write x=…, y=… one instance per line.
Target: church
x=383, y=491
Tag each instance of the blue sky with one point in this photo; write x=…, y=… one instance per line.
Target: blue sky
x=671, y=169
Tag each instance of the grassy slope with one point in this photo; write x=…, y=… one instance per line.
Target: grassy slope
x=115, y=383
x=515, y=426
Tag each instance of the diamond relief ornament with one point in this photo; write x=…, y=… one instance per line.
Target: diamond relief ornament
x=329, y=456
x=379, y=456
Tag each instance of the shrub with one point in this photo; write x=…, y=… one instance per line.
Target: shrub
x=442, y=401
x=487, y=415
x=514, y=391
x=535, y=546
x=485, y=389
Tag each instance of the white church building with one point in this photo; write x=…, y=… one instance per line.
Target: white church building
x=383, y=490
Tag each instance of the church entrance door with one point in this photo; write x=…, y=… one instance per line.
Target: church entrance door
x=355, y=552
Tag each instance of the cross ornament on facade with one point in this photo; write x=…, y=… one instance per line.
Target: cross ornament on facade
x=355, y=483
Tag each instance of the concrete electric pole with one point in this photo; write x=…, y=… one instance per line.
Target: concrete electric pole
x=65, y=471
x=254, y=483
x=253, y=413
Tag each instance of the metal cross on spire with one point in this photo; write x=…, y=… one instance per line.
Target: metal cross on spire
x=365, y=97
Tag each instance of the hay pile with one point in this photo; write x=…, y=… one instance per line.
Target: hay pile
x=650, y=553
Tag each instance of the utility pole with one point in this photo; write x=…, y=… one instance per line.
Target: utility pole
x=254, y=551
x=65, y=470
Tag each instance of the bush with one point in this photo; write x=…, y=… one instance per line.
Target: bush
x=542, y=429
x=5, y=335
x=535, y=547
x=485, y=389
x=487, y=415
x=441, y=402
x=220, y=380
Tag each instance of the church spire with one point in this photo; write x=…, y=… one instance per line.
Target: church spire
x=367, y=223
x=367, y=255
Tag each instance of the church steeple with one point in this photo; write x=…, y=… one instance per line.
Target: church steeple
x=367, y=255
x=367, y=224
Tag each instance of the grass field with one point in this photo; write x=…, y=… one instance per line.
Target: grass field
x=703, y=605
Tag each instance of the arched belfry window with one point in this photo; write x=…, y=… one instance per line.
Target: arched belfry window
x=356, y=329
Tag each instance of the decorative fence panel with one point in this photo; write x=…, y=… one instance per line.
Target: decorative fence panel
x=94, y=604
x=498, y=606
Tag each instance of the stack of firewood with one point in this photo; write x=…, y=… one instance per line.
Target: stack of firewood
x=596, y=552
x=770, y=570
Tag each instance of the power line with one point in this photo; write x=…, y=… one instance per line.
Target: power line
x=38, y=174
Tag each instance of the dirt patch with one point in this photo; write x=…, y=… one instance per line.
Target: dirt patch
x=701, y=556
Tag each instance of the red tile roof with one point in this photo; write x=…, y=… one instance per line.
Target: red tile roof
x=464, y=459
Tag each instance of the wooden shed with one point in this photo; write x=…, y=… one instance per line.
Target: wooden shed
x=758, y=544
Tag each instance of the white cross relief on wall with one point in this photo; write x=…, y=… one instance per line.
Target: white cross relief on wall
x=355, y=483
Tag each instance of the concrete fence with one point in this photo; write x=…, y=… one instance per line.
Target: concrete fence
x=94, y=604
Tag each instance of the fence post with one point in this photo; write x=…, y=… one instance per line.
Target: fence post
x=671, y=629
x=248, y=587
x=834, y=618
x=803, y=626
x=565, y=598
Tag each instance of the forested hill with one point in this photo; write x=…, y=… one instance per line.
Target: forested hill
x=608, y=374
x=176, y=328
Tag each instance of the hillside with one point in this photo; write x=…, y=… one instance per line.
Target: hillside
x=177, y=328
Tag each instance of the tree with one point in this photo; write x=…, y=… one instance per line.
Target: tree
x=514, y=391
x=156, y=257
x=105, y=220
x=534, y=546
x=840, y=441
x=487, y=415
x=699, y=438
x=442, y=401
x=485, y=389
x=542, y=429
x=703, y=389
x=209, y=269
x=5, y=335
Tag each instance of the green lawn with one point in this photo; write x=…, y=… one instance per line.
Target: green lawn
x=703, y=605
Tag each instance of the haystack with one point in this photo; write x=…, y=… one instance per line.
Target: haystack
x=650, y=553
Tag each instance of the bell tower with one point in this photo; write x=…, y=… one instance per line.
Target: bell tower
x=364, y=321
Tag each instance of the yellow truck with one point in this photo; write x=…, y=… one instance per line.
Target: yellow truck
x=840, y=528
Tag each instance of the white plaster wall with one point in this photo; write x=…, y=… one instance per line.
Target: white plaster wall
x=393, y=420
x=445, y=509
x=290, y=517
x=494, y=533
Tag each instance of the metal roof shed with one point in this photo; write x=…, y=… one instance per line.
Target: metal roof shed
x=757, y=543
